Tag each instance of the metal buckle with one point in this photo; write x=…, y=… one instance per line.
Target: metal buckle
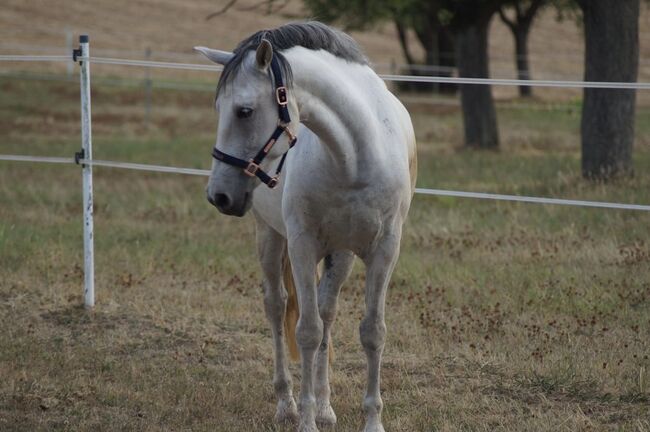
x=281, y=96
x=292, y=137
x=81, y=154
x=251, y=169
x=273, y=182
x=76, y=53
x=285, y=128
x=269, y=145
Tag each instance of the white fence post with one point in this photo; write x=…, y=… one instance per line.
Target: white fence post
x=87, y=175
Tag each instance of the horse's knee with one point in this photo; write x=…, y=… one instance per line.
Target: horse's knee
x=327, y=310
x=372, y=332
x=309, y=332
x=275, y=303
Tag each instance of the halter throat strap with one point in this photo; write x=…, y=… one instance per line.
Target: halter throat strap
x=251, y=167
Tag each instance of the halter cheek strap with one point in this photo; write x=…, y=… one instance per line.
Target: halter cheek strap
x=251, y=167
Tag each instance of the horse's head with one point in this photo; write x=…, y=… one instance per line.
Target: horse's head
x=248, y=116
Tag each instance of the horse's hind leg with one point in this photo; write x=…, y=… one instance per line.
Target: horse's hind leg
x=372, y=331
x=271, y=247
x=336, y=270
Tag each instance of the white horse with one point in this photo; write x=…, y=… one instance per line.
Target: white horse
x=346, y=191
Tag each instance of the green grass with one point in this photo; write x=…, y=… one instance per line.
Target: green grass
x=501, y=316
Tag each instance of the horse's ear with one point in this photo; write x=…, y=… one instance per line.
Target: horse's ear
x=264, y=54
x=220, y=57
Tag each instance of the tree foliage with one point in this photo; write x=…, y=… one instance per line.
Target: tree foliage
x=466, y=22
x=354, y=14
x=417, y=15
x=425, y=19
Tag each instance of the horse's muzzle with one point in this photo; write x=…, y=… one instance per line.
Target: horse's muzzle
x=228, y=206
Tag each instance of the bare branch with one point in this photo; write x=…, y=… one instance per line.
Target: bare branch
x=506, y=20
x=518, y=11
x=532, y=10
x=403, y=39
x=222, y=11
x=255, y=6
x=268, y=3
x=523, y=17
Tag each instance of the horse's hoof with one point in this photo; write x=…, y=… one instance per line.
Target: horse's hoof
x=373, y=426
x=325, y=415
x=287, y=412
x=307, y=427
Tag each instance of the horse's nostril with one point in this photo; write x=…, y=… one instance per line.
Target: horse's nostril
x=222, y=201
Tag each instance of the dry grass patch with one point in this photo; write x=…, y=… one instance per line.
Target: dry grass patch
x=501, y=316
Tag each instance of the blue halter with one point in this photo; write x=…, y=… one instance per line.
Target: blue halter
x=251, y=167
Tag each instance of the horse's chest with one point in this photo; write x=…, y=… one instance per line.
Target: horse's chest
x=348, y=221
x=352, y=227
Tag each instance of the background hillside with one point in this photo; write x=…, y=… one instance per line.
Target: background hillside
x=126, y=28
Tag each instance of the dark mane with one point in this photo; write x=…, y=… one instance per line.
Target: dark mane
x=311, y=35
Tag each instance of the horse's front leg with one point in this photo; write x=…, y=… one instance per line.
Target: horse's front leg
x=271, y=247
x=372, y=331
x=305, y=252
x=336, y=271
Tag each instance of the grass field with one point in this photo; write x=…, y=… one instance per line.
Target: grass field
x=507, y=317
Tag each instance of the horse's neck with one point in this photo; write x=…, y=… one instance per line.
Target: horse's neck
x=335, y=101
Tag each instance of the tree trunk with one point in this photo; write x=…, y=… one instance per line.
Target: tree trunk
x=428, y=37
x=479, y=116
x=520, y=27
x=403, y=40
x=611, y=54
x=521, y=51
x=431, y=58
x=446, y=51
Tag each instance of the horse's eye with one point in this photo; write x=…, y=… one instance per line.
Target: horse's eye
x=244, y=112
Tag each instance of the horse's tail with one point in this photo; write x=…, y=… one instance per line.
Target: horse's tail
x=293, y=311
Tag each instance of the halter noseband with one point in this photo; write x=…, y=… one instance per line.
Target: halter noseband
x=251, y=167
